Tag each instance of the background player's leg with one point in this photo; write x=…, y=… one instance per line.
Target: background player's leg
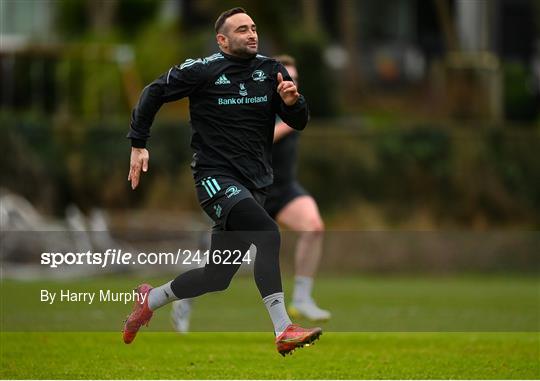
x=302, y=215
x=181, y=314
x=181, y=309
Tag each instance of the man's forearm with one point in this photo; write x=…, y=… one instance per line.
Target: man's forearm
x=143, y=115
x=297, y=115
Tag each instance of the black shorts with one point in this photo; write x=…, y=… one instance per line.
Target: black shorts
x=280, y=195
x=218, y=194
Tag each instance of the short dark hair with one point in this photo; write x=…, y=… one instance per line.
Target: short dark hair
x=225, y=15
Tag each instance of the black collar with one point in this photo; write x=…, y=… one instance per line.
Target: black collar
x=236, y=58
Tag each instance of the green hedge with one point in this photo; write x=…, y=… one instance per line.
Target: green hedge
x=456, y=174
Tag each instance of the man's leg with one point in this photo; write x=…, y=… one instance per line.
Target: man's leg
x=254, y=223
x=247, y=222
x=212, y=277
x=302, y=215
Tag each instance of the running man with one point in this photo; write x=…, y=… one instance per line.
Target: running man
x=234, y=96
x=290, y=205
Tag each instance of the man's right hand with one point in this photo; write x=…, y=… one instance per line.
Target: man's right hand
x=139, y=160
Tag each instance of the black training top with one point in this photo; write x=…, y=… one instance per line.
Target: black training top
x=233, y=105
x=284, y=155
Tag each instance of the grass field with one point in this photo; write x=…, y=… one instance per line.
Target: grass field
x=361, y=341
x=251, y=355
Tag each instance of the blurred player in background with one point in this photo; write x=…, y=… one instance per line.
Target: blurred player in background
x=234, y=97
x=290, y=205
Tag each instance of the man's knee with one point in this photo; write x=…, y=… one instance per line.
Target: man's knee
x=313, y=230
x=218, y=275
x=267, y=224
x=219, y=283
x=314, y=226
x=267, y=237
x=271, y=237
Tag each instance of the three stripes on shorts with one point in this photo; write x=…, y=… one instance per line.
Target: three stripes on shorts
x=211, y=186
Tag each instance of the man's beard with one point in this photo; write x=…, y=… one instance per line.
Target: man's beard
x=243, y=52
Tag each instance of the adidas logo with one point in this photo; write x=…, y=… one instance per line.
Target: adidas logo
x=222, y=80
x=275, y=302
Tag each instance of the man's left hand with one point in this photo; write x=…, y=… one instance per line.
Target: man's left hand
x=287, y=90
